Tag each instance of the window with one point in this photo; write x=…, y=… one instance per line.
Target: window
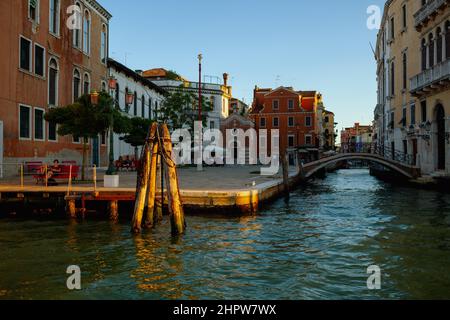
x=86, y=84
x=143, y=106
x=76, y=85
x=275, y=104
x=439, y=45
x=413, y=114
x=276, y=122
x=291, y=141
x=135, y=104
x=52, y=131
x=25, y=54
x=212, y=125
x=424, y=54
x=308, y=140
x=103, y=45
x=392, y=27
x=54, y=17
x=103, y=138
x=404, y=117
x=291, y=121
x=404, y=16
x=392, y=78
x=24, y=122
x=76, y=41
x=212, y=101
x=423, y=107
x=447, y=40
x=150, y=111
x=431, y=50
x=86, y=33
x=53, y=83
x=125, y=98
x=262, y=122
x=327, y=120
x=291, y=104
x=39, y=60
x=117, y=93
x=405, y=147
x=308, y=121
x=76, y=139
x=33, y=10
x=103, y=86
x=39, y=124
x=405, y=70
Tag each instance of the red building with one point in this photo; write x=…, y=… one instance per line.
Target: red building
x=45, y=64
x=293, y=113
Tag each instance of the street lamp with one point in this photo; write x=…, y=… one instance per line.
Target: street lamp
x=200, y=57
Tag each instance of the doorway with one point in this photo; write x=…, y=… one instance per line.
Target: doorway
x=440, y=119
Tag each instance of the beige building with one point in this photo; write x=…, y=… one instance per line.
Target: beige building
x=412, y=116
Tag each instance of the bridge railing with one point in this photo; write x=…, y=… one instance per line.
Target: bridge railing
x=384, y=151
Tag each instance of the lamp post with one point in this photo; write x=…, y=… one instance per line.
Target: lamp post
x=200, y=57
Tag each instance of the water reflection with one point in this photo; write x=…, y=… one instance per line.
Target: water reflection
x=317, y=246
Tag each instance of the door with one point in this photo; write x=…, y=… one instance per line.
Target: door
x=440, y=118
x=95, y=152
x=1, y=149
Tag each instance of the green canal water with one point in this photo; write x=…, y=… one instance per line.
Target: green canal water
x=316, y=247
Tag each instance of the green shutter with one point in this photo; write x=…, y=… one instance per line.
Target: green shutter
x=33, y=3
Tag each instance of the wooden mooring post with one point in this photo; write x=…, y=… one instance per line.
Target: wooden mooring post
x=158, y=145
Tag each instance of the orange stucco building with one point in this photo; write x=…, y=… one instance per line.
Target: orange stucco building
x=45, y=64
x=292, y=112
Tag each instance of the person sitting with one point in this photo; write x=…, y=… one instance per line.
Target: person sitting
x=119, y=163
x=127, y=163
x=53, y=172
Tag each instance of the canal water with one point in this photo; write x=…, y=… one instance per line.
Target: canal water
x=316, y=247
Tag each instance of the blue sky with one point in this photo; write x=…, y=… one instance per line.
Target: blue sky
x=310, y=45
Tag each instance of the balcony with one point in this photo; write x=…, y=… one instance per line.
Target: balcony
x=430, y=10
x=430, y=80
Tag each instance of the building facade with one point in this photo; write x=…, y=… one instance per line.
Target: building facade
x=218, y=94
x=329, y=127
x=357, y=138
x=147, y=98
x=413, y=70
x=298, y=116
x=45, y=64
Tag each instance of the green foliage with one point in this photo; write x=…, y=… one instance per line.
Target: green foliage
x=180, y=110
x=172, y=75
x=137, y=131
x=83, y=120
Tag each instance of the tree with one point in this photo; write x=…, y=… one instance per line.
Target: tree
x=180, y=110
x=136, y=133
x=84, y=120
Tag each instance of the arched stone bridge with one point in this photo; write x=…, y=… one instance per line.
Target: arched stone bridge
x=409, y=171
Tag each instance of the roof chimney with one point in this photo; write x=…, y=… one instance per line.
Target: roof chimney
x=225, y=79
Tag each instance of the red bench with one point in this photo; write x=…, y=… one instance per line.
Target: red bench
x=63, y=175
x=33, y=167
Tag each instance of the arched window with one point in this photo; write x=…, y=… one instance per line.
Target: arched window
x=127, y=107
x=135, y=104
x=431, y=50
x=86, y=84
x=424, y=55
x=77, y=26
x=103, y=44
x=439, y=45
x=54, y=16
x=103, y=86
x=52, y=82
x=76, y=84
x=143, y=106
x=447, y=40
x=86, y=32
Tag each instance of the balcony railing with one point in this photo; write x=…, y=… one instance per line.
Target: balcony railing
x=430, y=8
x=431, y=76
